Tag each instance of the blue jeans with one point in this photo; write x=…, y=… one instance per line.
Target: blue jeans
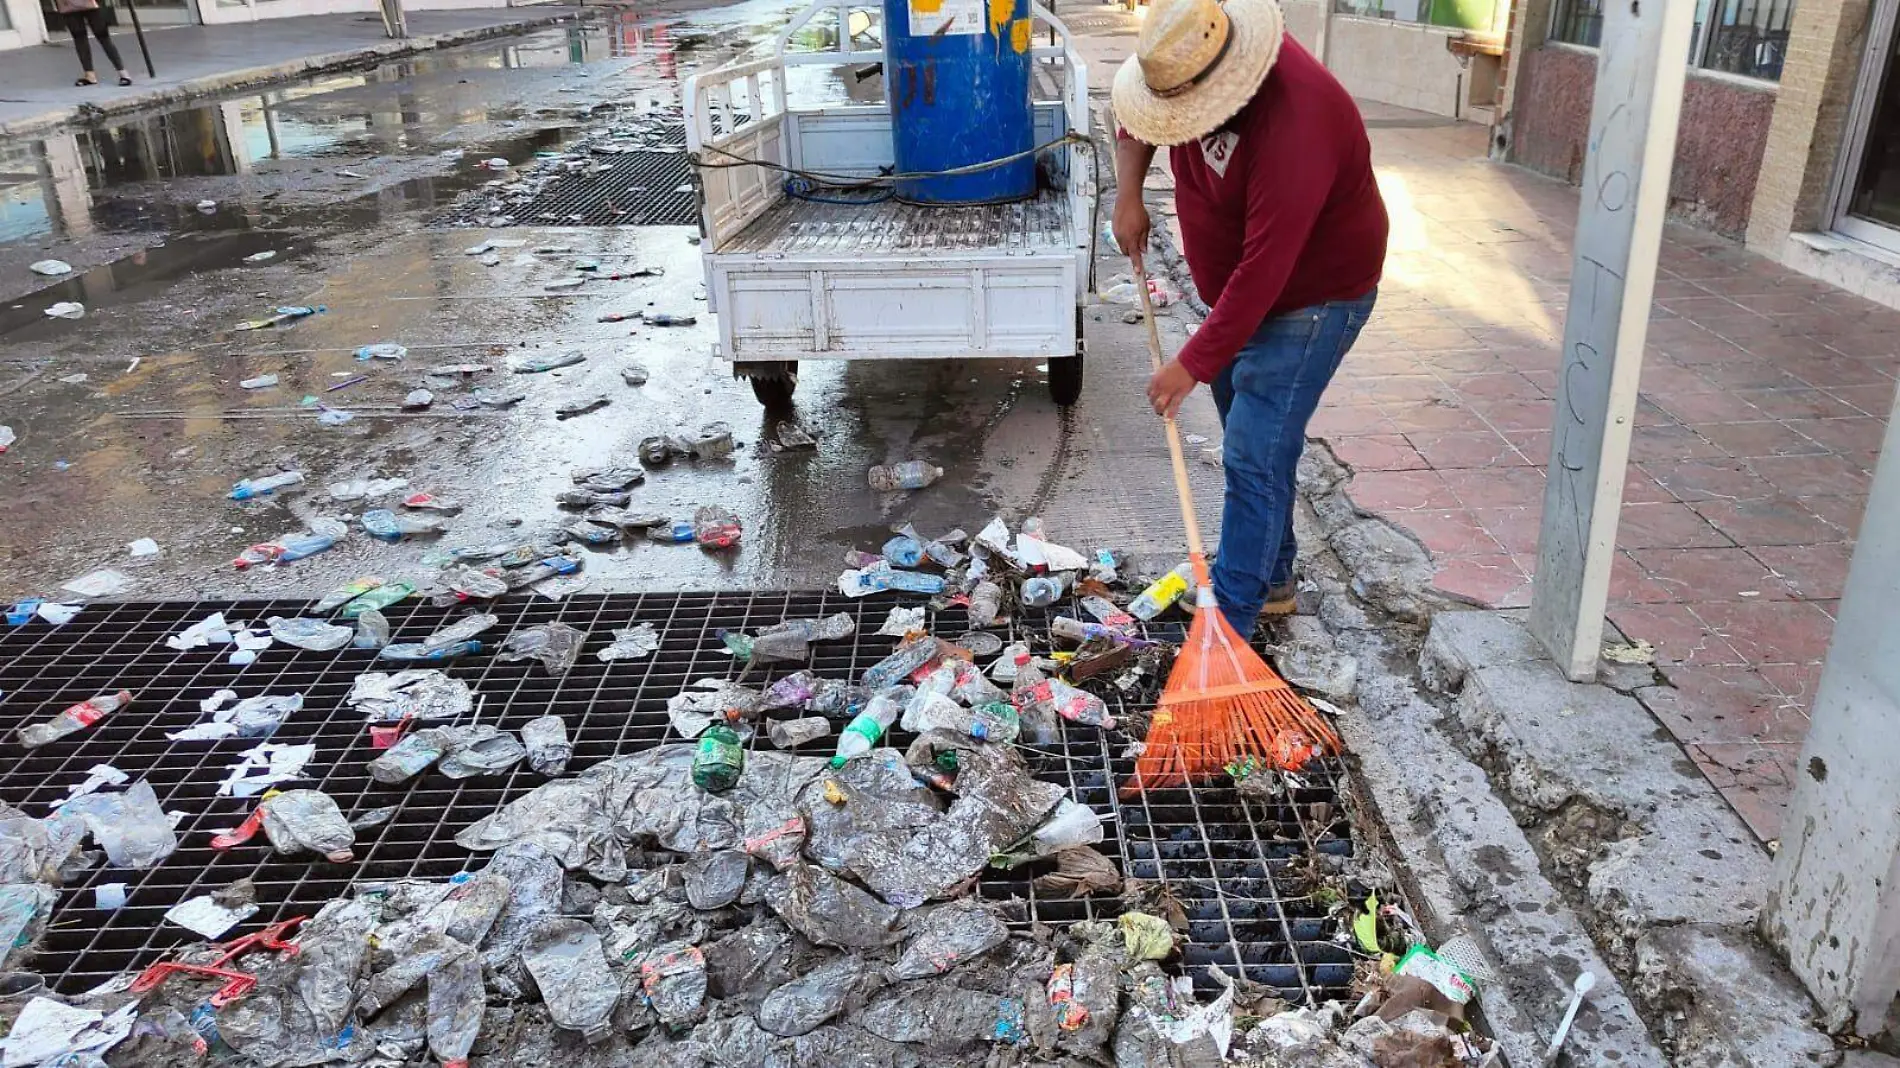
x=1266, y=397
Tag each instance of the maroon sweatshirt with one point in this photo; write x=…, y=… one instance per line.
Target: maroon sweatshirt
x=1278, y=208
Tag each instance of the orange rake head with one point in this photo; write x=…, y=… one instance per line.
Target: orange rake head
x=1222, y=703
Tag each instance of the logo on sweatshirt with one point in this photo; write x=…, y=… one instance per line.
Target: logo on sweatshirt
x=1218, y=150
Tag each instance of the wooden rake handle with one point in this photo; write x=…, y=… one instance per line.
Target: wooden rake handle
x=1197, y=555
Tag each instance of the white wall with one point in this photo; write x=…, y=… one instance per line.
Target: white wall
x=1398, y=63
x=1302, y=21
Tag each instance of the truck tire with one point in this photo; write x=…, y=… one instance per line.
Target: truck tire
x=774, y=388
x=1065, y=380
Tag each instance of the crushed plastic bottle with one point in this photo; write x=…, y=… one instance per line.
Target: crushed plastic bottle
x=792, y=733
x=556, y=645
x=586, y=498
x=388, y=526
x=904, y=551
x=298, y=821
x=345, y=593
x=986, y=603
x=673, y=978
x=459, y=631
x=469, y=584
x=1032, y=702
x=548, y=748
x=377, y=599
x=1162, y=593
x=312, y=634
x=409, y=757
x=948, y=936
x=912, y=653
x=1041, y=591
x=323, y=534
x=719, y=759
x=564, y=958
x=1076, y=630
x=715, y=527
x=671, y=533
x=418, y=653
x=909, y=475
x=372, y=630
x=265, y=485
x=868, y=727
x=531, y=365
x=711, y=442
x=881, y=577
x=591, y=533
x=74, y=719
x=455, y=1006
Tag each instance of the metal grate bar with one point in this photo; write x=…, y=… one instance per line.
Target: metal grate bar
x=635, y=188
x=1235, y=865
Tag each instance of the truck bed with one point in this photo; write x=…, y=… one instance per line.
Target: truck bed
x=819, y=228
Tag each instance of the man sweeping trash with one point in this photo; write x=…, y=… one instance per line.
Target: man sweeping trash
x=1284, y=232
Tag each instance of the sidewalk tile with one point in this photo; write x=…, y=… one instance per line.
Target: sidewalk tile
x=1670, y=442
x=1769, y=521
x=1770, y=632
x=1712, y=479
x=1798, y=403
x=1679, y=637
x=1843, y=514
x=1766, y=438
x=1810, y=571
x=1466, y=448
x=1514, y=529
x=1399, y=491
x=1756, y=779
x=1451, y=532
x=1725, y=705
x=1749, y=373
x=1631, y=583
x=1497, y=487
x=1666, y=526
x=1408, y=418
x=1855, y=435
x=1349, y=419
x=1377, y=452
x=1696, y=408
x=1697, y=576
x=1797, y=682
x=1824, y=475
x=1494, y=581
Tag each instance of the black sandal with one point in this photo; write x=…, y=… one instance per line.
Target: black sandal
x=123, y=80
x=84, y=82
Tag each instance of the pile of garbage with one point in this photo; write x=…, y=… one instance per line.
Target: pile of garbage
x=713, y=900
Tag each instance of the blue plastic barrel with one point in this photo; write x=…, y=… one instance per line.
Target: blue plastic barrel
x=957, y=76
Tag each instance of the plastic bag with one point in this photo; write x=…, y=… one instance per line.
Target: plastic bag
x=312, y=634
x=673, y=978
x=556, y=645
x=130, y=826
x=480, y=750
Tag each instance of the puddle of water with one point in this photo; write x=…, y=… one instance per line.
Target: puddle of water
x=139, y=276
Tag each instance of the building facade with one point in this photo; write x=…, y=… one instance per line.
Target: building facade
x=30, y=22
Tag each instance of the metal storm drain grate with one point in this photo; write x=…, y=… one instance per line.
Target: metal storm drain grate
x=634, y=188
x=1236, y=866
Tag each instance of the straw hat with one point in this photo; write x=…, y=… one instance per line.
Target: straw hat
x=1196, y=64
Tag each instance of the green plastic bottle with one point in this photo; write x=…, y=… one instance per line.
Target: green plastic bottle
x=719, y=761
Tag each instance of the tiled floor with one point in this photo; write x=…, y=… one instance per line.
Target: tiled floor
x=1765, y=400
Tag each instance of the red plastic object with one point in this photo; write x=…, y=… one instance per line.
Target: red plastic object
x=237, y=984
x=384, y=737
x=243, y=833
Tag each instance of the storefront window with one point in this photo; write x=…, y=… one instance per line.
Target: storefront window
x=1745, y=37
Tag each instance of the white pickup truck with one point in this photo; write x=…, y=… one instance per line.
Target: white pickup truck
x=802, y=277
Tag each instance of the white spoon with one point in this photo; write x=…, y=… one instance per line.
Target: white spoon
x=1586, y=981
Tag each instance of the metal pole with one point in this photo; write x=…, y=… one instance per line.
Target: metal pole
x=1631, y=147
x=139, y=32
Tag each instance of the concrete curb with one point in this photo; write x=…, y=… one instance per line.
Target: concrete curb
x=51, y=120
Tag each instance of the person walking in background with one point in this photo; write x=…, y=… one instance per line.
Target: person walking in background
x=1284, y=231
x=86, y=15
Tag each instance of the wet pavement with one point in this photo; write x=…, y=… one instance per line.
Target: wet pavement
x=350, y=181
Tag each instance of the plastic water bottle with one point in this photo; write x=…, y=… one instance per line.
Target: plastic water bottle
x=252, y=488
x=882, y=576
x=1158, y=597
x=986, y=601
x=995, y=721
x=345, y=593
x=74, y=719
x=1030, y=694
x=672, y=533
x=914, y=652
x=719, y=760
x=1044, y=590
x=1077, y=631
x=715, y=528
x=867, y=728
x=1108, y=613
x=417, y=652
x=372, y=630
x=909, y=475
x=904, y=552
x=1078, y=705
